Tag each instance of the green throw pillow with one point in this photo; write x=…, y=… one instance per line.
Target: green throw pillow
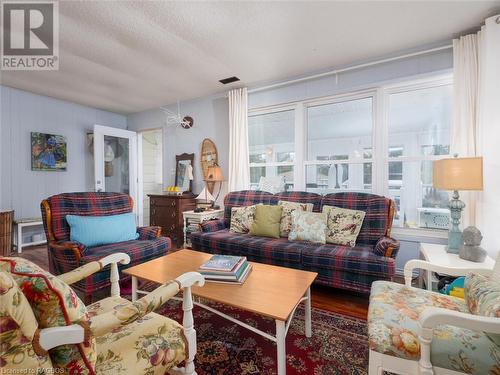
x=267, y=221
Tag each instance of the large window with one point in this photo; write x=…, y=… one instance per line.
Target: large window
x=272, y=146
x=382, y=140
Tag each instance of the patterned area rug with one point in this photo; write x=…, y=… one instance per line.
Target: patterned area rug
x=339, y=344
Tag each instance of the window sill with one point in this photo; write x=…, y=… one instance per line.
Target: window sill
x=419, y=234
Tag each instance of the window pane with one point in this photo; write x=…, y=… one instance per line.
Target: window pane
x=328, y=178
x=271, y=137
x=420, y=121
x=345, y=127
x=419, y=204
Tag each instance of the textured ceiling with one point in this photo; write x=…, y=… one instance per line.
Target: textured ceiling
x=131, y=56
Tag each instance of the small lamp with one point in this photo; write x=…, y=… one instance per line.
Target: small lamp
x=457, y=174
x=214, y=174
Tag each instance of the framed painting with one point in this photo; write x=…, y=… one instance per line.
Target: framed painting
x=48, y=152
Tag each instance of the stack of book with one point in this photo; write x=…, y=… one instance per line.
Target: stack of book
x=226, y=269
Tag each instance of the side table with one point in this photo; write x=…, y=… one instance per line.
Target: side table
x=437, y=255
x=192, y=221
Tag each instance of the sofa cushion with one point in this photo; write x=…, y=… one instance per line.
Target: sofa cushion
x=343, y=225
x=84, y=204
x=308, y=226
x=267, y=221
x=246, y=198
x=286, y=214
x=378, y=209
x=242, y=218
x=357, y=259
x=393, y=327
x=54, y=304
x=301, y=197
x=88, y=230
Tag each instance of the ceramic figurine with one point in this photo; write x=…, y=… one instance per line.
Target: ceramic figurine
x=471, y=250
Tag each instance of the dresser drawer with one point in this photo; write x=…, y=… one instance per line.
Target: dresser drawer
x=162, y=202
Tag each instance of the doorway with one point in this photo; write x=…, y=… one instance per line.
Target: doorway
x=151, y=168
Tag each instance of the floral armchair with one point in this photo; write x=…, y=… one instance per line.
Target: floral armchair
x=415, y=331
x=45, y=327
x=65, y=255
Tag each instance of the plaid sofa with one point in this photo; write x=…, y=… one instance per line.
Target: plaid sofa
x=350, y=268
x=65, y=255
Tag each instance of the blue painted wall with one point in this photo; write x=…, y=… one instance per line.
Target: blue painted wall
x=23, y=112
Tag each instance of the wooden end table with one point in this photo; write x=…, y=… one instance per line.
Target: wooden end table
x=270, y=291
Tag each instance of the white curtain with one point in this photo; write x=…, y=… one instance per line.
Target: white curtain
x=239, y=170
x=476, y=123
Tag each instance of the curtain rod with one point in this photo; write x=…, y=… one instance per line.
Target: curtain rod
x=353, y=67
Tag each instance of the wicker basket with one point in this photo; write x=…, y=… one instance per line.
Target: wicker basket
x=6, y=217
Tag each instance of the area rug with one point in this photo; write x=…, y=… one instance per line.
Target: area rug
x=339, y=343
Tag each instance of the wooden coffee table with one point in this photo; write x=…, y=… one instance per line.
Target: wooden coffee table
x=270, y=291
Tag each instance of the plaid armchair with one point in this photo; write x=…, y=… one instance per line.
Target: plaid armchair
x=65, y=256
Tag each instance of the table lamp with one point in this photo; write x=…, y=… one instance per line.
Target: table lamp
x=214, y=174
x=457, y=174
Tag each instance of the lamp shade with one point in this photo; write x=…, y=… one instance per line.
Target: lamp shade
x=214, y=174
x=458, y=174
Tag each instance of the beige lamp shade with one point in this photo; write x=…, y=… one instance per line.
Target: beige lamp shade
x=458, y=174
x=214, y=174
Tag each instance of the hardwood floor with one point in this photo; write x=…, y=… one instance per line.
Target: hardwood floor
x=335, y=300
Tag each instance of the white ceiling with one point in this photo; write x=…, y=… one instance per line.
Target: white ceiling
x=130, y=56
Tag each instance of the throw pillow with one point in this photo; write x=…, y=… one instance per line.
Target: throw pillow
x=308, y=226
x=102, y=230
x=286, y=215
x=482, y=296
x=267, y=221
x=343, y=225
x=242, y=219
x=272, y=185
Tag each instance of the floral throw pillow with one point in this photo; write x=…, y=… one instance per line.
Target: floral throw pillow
x=308, y=226
x=482, y=296
x=343, y=225
x=286, y=214
x=242, y=219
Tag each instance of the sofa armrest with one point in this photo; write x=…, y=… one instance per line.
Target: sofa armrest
x=386, y=247
x=69, y=250
x=149, y=233
x=213, y=225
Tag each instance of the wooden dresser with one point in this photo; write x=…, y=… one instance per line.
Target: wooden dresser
x=166, y=211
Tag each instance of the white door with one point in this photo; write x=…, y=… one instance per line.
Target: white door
x=115, y=161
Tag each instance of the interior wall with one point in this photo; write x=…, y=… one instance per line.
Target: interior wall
x=23, y=112
x=211, y=120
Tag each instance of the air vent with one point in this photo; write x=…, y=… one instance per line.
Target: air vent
x=225, y=81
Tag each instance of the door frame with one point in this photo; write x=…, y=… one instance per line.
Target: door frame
x=140, y=171
x=99, y=179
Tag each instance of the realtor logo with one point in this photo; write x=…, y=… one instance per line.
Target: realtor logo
x=30, y=35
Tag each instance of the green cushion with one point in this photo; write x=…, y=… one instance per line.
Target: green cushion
x=267, y=221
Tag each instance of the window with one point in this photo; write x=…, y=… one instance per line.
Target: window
x=271, y=146
x=343, y=146
x=339, y=131
x=419, y=124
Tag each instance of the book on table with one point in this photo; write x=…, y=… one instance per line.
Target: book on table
x=226, y=268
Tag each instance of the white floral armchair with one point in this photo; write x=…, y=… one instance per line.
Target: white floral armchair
x=44, y=325
x=415, y=331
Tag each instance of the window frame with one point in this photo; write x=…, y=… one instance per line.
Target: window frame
x=380, y=95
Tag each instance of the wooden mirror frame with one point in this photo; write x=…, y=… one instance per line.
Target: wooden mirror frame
x=179, y=158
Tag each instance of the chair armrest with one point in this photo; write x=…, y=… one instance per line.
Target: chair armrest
x=88, y=269
x=213, y=225
x=434, y=316
x=149, y=233
x=387, y=247
x=127, y=313
x=48, y=338
x=451, y=271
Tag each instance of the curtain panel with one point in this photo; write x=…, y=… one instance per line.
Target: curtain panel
x=239, y=169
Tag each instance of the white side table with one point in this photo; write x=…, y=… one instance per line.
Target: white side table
x=192, y=221
x=437, y=255
x=18, y=233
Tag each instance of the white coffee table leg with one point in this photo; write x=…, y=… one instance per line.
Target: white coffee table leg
x=308, y=313
x=280, y=346
x=134, y=288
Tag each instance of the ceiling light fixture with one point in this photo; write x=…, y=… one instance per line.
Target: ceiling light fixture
x=226, y=81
